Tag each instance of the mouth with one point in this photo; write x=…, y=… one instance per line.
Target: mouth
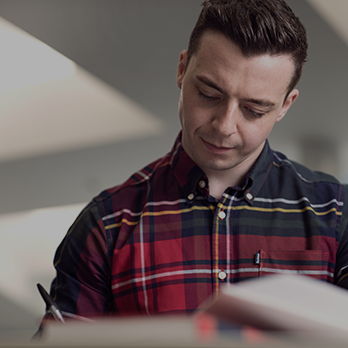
x=215, y=149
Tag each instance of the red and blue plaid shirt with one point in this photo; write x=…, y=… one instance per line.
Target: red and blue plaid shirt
x=159, y=243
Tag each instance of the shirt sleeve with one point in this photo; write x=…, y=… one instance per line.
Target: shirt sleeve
x=82, y=263
x=341, y=273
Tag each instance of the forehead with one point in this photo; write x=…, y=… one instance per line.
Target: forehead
x=219, y=57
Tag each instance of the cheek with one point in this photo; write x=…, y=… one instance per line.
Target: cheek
x=254, y=134
x=185, y=111
x=191, y=116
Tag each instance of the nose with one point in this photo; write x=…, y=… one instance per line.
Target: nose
x=225, y=120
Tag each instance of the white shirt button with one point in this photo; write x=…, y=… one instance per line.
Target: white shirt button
x=222, y=215
x=249, y=196
x=191, y=196
x=201, y=184
x=222, y=275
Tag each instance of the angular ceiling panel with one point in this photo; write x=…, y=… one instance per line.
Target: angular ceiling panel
x=335, y=13
x=49, y=104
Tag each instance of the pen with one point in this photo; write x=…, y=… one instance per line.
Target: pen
x=52, y=306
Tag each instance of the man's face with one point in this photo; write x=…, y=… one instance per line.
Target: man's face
x=229, y=103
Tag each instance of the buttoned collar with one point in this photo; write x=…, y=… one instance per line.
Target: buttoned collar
x=192, y=179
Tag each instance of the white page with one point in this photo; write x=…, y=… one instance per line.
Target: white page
x=290, y=302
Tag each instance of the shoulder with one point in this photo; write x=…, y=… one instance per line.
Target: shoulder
x=293, y=181
x=289, y=167
x=129, y=194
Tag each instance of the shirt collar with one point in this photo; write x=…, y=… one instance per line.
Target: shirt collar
x=189, y=175
x=258, y=174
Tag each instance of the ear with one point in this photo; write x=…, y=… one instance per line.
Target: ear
x=288, y=102
x=181, y=68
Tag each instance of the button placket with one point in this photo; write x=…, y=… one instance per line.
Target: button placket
x=220, y=243
x=222, y=215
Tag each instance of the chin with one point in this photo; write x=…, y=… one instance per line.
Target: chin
x=219, y=165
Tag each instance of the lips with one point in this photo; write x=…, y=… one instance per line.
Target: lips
x=214, y=148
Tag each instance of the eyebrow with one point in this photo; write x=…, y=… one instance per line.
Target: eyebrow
x=211, y=84
x=260, y=102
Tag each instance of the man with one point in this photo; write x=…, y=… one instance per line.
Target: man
x=221, y=207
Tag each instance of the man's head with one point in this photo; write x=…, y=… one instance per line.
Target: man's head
x=233, y=91
x=255, y=26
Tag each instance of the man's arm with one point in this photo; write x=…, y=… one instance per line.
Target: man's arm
x=82, y=261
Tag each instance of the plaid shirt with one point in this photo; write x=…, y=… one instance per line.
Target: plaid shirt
x=160, y=244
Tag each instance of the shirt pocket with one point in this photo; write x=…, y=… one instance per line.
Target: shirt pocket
x=313, y=263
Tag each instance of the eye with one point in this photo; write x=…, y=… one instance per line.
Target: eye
x=207, y=97
x=254, y=114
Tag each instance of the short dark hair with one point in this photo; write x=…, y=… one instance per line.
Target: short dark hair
x=257, y=27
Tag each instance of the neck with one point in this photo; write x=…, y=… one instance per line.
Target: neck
x=220, y=180
x=219, y=183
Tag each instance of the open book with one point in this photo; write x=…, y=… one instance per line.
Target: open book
x=286, y=302
x=314, y=312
